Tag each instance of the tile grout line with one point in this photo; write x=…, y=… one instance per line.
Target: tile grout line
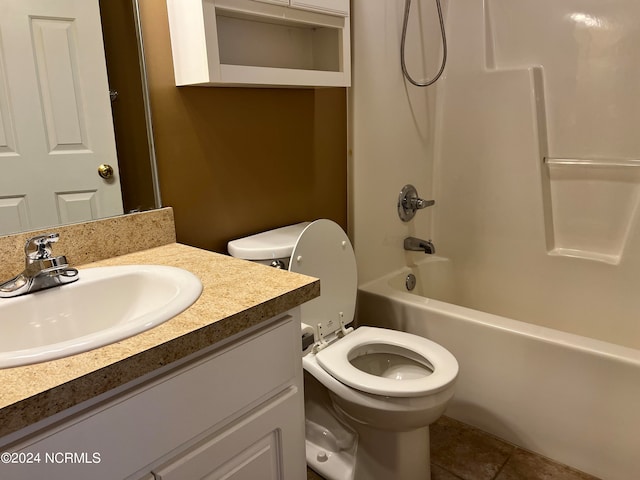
x=448, y=471
x=504, y=464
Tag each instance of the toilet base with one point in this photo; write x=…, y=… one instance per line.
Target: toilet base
x=340, y=447
x=332, y=465
x=330, y=443
x=379, y=455
x=384, y=454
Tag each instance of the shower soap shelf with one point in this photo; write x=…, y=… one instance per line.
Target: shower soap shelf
x=592, y=203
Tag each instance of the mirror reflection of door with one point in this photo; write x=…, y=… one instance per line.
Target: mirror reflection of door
x=55, y=116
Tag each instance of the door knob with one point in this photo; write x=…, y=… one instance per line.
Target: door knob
x=105, y=171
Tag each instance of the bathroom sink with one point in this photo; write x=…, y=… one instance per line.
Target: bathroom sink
x=105, y=305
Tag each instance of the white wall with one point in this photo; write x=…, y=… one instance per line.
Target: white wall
x=391, y=129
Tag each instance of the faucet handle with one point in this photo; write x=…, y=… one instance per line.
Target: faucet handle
x=39, y=247
x=419, y=203
x=409, y=202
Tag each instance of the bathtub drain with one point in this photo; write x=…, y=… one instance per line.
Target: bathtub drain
x=410, y=282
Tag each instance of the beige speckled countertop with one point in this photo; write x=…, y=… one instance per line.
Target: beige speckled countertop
x=236, y=295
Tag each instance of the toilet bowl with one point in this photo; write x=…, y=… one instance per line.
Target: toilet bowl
x=370, y=393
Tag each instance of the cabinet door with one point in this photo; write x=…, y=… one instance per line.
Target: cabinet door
x=333, y=7
x=235, y=454
x=276, y=2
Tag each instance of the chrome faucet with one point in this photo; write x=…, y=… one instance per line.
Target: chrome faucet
x=42, y=269
x=418, y=245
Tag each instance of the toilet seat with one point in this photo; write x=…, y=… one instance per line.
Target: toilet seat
x=324, y=251
x=335, y=361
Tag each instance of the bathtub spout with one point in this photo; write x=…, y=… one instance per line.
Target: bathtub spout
x=418, y=245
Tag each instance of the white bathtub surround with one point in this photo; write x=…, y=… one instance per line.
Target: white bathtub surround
x=391, y=128
x=568, y=397
x=537, y=177
x=552, y=242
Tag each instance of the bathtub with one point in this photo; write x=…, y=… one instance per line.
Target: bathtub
x=573, y=399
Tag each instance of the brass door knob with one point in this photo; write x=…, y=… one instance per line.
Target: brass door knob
x=105, y=171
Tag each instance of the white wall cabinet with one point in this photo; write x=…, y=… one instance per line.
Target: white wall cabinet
x=298, y=43
x=232, y=412
x=332, y=7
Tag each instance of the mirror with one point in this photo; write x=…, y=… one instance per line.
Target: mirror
x=81, y=121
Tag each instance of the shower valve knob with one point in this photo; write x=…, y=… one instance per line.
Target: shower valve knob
x=409, y=203
x=419, y=203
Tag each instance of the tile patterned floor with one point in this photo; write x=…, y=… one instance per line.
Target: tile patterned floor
x=462, y=452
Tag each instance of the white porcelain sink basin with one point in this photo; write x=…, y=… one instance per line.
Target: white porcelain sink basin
x=105, y=305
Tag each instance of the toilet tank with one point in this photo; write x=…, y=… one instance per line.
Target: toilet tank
x=273, y=247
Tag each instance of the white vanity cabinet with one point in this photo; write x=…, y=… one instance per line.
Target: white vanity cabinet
x=297, y=43
x=230, y=411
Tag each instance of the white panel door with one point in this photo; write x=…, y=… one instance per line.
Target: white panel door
x=55, y=115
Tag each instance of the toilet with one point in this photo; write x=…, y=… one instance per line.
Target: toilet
x=370, y=393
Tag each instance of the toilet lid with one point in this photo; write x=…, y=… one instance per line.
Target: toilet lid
x=335, y=360
x=324, y=251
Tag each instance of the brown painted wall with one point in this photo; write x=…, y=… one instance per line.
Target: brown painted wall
x=123, y=68
x=234, y=161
